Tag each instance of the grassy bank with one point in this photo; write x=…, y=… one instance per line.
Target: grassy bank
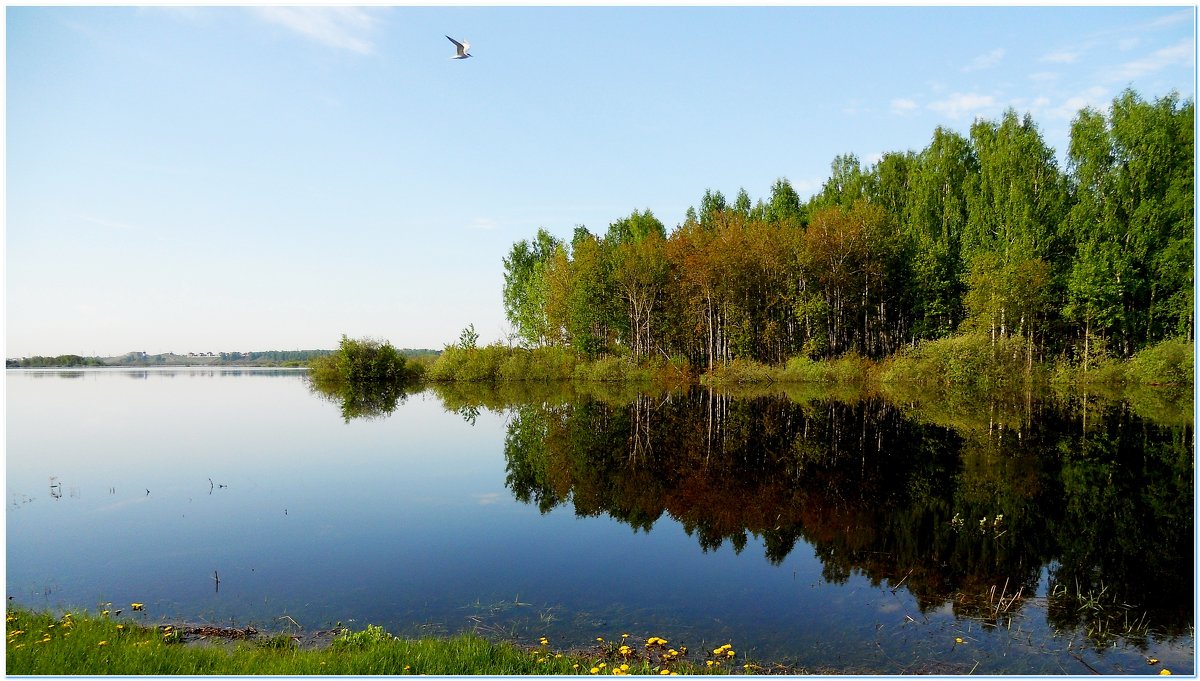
x=497, y=363
x=82, y=644
x=962, y=361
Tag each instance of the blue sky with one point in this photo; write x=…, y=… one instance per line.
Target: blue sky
x=251, y=178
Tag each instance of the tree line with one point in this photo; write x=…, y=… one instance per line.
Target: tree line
x=979, y=234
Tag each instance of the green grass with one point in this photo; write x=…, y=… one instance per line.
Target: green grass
x=81, y=644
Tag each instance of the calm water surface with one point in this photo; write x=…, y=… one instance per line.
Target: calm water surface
x=840, y=535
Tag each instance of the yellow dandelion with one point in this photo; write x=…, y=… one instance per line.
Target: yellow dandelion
x=137, y=606
x=624, y=635
x=602, y=665
x=708, y=663
x=102, y=643
x=557, y=655
x=595, y=670
x=624, y=667
x=1165, y=672
x=729, y=653
x=574, y=666
x=104, y=613
x=718, y=651
x=1151, y=660
x=664, y=672
x=599, y=639
x=958, y=639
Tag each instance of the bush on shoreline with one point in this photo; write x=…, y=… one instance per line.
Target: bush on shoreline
x=363, y=360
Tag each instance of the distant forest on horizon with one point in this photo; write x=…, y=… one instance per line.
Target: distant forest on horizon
x=978, y=234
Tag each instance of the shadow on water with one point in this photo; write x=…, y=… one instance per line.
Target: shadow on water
x=965, y=501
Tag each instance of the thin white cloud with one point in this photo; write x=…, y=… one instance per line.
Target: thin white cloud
x=346, y=28
x=903, y=106
x=854, y=107
x=114, y=225
x=1128, y=44
x=1043, y=76
x=806, y=187
x=1185, y=15
x=1095, y=97
x=959, y=105
x=1062, y=56
x=1182, y=52
x=486, y=224
x=985, y=61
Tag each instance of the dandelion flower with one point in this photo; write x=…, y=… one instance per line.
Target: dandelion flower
x=664, y=672
x=708, y=663
x=1165, y=672
x=958, y=639
x=624, y=635
x=102, y=643
x=595, y=670
x=137, y=606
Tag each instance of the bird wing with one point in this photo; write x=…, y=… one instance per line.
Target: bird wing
x=461, y=47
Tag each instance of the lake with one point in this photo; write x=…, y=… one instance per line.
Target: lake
x=839, y=532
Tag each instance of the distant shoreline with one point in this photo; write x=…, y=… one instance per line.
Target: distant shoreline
x=279, y=359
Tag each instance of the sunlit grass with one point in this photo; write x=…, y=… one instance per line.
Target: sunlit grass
x=81, y=644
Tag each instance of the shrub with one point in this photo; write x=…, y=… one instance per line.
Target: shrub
x=1170, y=362
x=605, y=369
x=360, y=361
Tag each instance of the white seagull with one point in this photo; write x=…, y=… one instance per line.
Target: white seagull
x=462, y=48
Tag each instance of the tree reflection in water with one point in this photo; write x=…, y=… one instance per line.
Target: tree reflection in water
x=958, y=502
x=361, y=400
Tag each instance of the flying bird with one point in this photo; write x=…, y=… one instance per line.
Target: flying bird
x=462, y=48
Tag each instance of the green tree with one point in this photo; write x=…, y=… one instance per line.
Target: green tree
x=525, y=286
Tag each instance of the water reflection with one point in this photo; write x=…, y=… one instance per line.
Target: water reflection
x=361, y=400
x=962, y=504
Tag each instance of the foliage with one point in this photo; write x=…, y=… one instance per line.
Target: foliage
x=468, y=338
x=372, y=635
x=1171, y=362
x=973, y=236
x=360, y=361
